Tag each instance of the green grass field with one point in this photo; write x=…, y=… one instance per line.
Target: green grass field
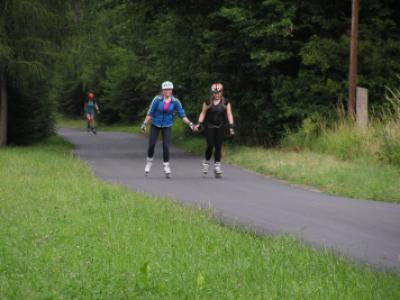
x=354, y=179
x=66, y=235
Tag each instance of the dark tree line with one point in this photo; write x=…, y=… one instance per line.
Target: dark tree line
x=280, y=60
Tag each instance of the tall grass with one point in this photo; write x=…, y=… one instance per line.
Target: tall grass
x=390, y=146
x=379, y=143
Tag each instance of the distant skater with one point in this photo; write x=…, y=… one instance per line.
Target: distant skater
x=90, y=107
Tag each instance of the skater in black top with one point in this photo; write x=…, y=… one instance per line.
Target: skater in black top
x=214, y=115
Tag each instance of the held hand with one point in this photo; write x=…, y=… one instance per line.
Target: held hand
x=231, y=131
x=98, y=112
x=193, y=127
x=198, y=125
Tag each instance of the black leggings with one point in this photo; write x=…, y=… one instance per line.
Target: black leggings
x=214, y=140
x=166, y=137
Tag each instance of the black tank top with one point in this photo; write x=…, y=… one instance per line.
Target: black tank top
x=216, y=114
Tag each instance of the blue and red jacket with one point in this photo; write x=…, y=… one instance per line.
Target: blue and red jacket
x=162, y=118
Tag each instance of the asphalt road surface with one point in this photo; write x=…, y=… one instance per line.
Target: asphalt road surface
x=364, y=231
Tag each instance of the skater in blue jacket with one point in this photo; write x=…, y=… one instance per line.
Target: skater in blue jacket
x=161, y=113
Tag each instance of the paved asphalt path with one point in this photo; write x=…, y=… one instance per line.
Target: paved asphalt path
x=365, y=231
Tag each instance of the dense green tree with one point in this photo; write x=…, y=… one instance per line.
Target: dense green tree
x=29, y=33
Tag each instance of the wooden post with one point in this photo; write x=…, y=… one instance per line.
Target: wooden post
x=362, y=108
x=353, y=59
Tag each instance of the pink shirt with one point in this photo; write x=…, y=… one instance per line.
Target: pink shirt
x=166, y=104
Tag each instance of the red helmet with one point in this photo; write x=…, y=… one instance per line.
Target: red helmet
x=90, y=96
x=217, y=88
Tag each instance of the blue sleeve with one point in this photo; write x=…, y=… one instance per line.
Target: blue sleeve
x=179, y=109
x=153, y=107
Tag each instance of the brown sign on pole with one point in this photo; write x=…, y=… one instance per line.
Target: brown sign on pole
x=362, y=107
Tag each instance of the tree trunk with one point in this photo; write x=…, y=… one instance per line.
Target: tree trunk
x=353, y=59
x=3, y=110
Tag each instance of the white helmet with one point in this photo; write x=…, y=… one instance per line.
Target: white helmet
x=217, y=87
x=167, y=85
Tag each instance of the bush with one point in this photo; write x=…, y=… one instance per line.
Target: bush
x=303, y=138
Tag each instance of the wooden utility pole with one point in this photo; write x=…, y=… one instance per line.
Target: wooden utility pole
x=353, y=59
